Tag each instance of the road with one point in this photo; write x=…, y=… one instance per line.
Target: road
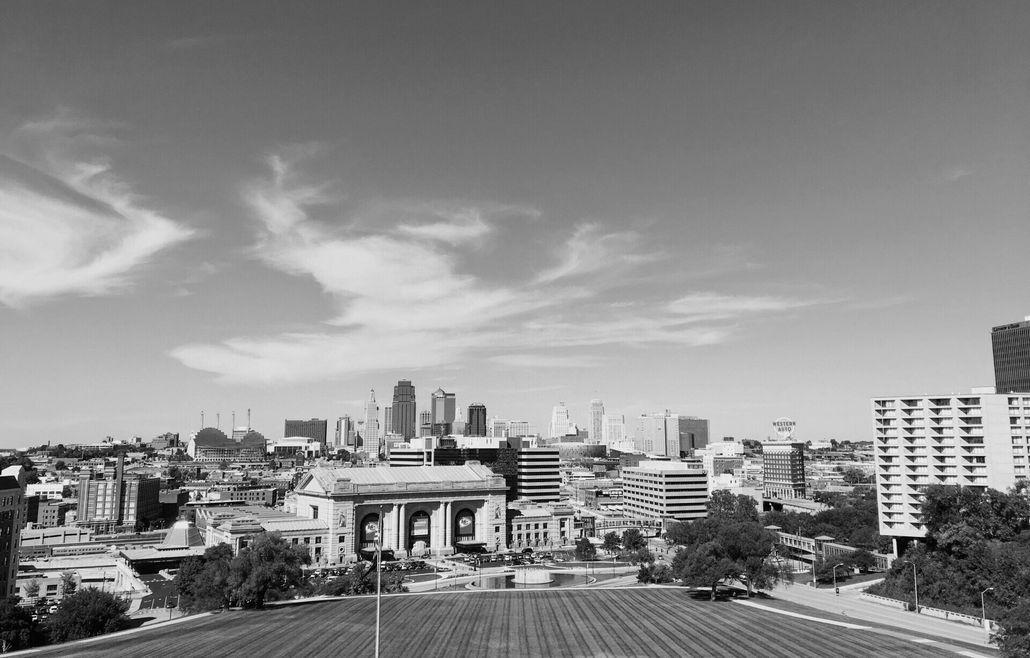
x=850, y=605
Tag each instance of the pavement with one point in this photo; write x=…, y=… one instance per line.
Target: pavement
x=849, y=605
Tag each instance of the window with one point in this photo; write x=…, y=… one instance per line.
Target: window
x=314, y=512
x=318, y=540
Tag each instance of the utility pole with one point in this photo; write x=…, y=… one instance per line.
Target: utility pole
x=379, y=574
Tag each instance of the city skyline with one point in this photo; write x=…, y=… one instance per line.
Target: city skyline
x=739, y=212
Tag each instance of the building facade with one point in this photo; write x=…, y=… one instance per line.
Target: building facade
x=662, y=490
x=538, y=474
x=211, y=445
x=560, y=425
x=370, y=432
x=404, y=412
x=12, y=520
x=783, y=469
x=977, y=440
x=422, y=510
x=596, y=428
x=316, y=428
x=442, y=412
x=121, y=501
x=1011, y=346
x=475, y=424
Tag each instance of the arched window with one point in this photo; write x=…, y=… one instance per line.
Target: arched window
x=418, y=528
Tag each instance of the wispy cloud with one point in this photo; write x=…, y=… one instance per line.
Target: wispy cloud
x=69, y=224
x=407, y=296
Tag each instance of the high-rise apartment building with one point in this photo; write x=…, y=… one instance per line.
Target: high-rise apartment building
x=371, y=444
x=475, y=424
x=443, y=408
x=538, y=476
x=561, y=425
x=1011, y=346
x=316, y=428
x=596, y=428
x=665, y=490
x=981, y=440
x=783, y=469
x=404, y=413
x=13, y=516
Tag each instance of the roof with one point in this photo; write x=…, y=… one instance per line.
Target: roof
x=8, y=482
x=183, y=533
x=287, y=525
x=326, y=478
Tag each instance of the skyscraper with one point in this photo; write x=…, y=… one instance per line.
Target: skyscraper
x=613, y=429
x=442, y=407
x=344, y=433
x=371, y=433
x=1011, y=345
x=476, y=423
x=560, y=424
x=404, y=415
x=596, y=427
x=387, y=420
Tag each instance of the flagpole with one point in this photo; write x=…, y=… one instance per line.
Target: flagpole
x=379, y=573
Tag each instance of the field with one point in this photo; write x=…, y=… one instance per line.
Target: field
x=584, y=622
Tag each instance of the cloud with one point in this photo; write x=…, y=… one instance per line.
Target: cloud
x=69, y=225
x=410, y=290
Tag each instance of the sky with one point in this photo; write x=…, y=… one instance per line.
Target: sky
x=734, y=210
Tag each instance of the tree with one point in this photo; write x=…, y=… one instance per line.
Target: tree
x=87, y=613
x=611, y=542
x=68, y=583
x=725, y=506
x=223, y=465
x=650, y=572
x=862, y=559
x=633, y=540
x=703, y=565
x=202, y=581
x=852, y=475
x=584, y=549
x=32, y=589
x=361, y=579
x=16, y=625
x=1013, y=638
x=269, y=566
x=59, y=465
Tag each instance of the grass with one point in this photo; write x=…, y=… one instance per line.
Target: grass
x=662, y=622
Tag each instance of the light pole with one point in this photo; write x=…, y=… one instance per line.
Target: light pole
x=983, y=613
x=915, y=585
x=379, y=572
x=835, y=590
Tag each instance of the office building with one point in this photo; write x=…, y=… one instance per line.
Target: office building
x=442, y=408
x=561, y=425
x=538, y=474
x=783, y=469
x=316, y=428
x=613, y=429
x=344, y=433
x=596, y=428
x=1011, y=347
x=981, y=439
x=116, y=500
x=670, y=435
x=388, y=420
x=516, y=428
x=497, y=428
x=676, y=491
x=404, y=413
x=371, y=437
x=12, y=521
x=476, y=420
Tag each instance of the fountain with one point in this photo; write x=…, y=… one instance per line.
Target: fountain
x=532, y=576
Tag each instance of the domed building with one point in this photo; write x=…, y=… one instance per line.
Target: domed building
x=212, y=445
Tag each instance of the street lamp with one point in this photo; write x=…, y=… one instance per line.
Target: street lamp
x=983, y=613
x=915, y=585
x=835, y=590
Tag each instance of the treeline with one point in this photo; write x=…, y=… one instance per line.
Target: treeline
x=80, y=614
x=977, y=549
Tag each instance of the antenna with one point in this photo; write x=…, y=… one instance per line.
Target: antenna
x=218, y=420
x=248, y=418
x=201, y=418
x=233, y=421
